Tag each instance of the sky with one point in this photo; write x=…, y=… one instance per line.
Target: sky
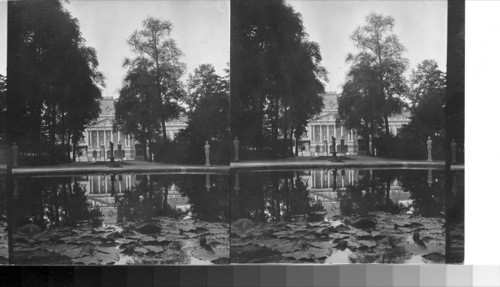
x=200, y=28
x=420, y=25
x=3, y=37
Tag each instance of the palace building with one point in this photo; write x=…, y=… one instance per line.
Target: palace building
x=95, y=145
x=317, y=141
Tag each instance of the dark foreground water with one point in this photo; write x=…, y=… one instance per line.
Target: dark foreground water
x=346, y=216
x=304, y=216
x=116, y=219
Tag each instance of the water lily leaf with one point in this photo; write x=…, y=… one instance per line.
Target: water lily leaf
x=59, y=248
x=87, y=250
x=155, y=249
x=215, y=244
x=360, y=234
x=320, y=254
x=323, y=245
x=201, y=230
x=208, y=255
x=149, y=240
x=106, y=258
x=191, y=234
x=435, y=257
x=377, y=235
x=72, y=253
x=364, y=224
x=299, y=255
x=367, y=243
x=342, y=228
x=351, y=245
x=89, y=260
x=140, y=250
x=269, y=242
x=124, y=241
x=109, y=250
x=148, y=228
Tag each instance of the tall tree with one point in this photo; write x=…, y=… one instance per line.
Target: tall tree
x=51, y=69
x=427, y=96
x=133, y=107
x=208, y=118
x=427, y=101
x=381, y=49
x=276, y=75
x=358, y=107
x=157, y=54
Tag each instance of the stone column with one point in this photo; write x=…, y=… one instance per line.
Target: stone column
x=327, y=132
x=320, y=133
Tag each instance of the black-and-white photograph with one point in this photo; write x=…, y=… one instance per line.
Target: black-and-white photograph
x=117, y=121
x=231, y=132
x=337, y=108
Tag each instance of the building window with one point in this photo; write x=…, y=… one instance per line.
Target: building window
x=93, y=137
x=108, y=138
x=101, y=138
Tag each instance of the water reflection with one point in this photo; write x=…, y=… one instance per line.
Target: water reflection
x=385, y=216
x=120, y=218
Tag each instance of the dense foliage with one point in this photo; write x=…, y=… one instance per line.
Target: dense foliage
x=276, y=75
x=152, y=89
x=54, y=85
x=376, y=76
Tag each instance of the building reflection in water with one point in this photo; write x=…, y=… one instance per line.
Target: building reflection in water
x=324, y=185
x=102, y=190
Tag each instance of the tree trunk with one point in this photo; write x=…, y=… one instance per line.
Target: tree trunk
x=296, y=144
x=387, y=136
x=68, y=147
x=144, y=144
x=150, y=151
x=53, y=126
x=74, y=151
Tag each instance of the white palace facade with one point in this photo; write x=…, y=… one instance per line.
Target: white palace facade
x=317, y=141
x=95, y=145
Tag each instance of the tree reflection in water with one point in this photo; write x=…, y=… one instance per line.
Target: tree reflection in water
x=280, y=196
x=55, y=201
x=268, y=208
x=150, y=198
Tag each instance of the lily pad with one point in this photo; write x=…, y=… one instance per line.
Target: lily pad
x=367, y=243
x=109, y=250
x=434, y=257
x=364, y=224
x=153, y=248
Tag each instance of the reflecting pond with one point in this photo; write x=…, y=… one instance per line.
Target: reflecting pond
x=116, y=219
x=346, y=216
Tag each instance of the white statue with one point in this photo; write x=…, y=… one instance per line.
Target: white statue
x=207, y=154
